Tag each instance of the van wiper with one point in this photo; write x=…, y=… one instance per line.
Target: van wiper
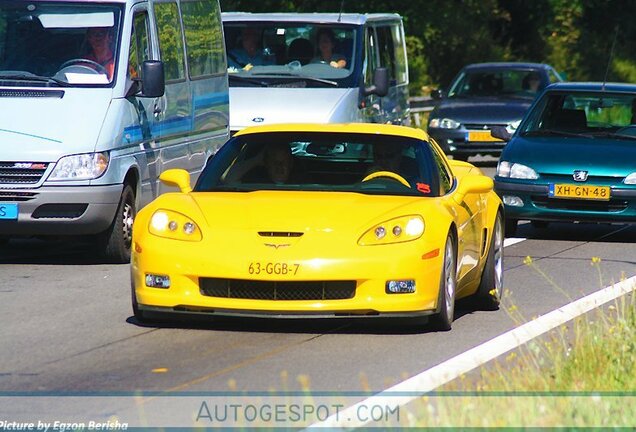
x=256, y=81
x=552, y=132
x=302, y=77
x=27, y=76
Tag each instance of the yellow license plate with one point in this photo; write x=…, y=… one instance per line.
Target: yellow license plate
x=273, y=268
x=579, y=192
x=481, y=136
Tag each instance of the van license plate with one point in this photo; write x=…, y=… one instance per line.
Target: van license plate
x=579, y=192
x=481, y=136
x=8, y=210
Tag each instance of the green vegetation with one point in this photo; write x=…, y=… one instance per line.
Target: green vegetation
x=575, y=36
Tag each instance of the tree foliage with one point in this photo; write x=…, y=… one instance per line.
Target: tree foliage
x=575, y=36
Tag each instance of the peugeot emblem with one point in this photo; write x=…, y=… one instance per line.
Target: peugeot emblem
x=258, y=119
x=580, y=175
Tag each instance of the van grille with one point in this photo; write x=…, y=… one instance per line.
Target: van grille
x=32, y=93
x=21, y=172
x=270, y=290
x=9, y=196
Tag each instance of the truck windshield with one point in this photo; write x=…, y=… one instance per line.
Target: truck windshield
x=58, y=44
x=269, y=54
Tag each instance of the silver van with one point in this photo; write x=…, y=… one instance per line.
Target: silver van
x=316, y=67
x=97, y=99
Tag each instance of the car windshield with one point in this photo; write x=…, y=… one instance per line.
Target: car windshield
x=336, y=162
x=58, y=44
x=497, y=82
x=290, y=54
x=584, y=113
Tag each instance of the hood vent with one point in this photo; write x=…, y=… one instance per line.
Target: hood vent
x=279, y=234
x=11, y=93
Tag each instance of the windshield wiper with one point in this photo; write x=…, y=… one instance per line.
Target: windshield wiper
x=613, y=135
x=256, y=81
x=552, y=132
x=302, y=77
x=27, y=76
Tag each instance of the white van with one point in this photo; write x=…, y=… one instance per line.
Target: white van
x=97, y=99
x=316, y=67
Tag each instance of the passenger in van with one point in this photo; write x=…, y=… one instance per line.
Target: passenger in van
x=326, y=45
x=250, y=52
x=100, y=42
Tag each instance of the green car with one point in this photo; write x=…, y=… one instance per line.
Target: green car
x=573, y=157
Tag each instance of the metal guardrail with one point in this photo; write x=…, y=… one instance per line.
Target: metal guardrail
x=419, y=105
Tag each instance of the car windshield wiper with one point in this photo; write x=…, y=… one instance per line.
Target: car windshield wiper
x=256, y=81
x=552, y=132
x=613, y=135
x=302, y=77
x=32, y=77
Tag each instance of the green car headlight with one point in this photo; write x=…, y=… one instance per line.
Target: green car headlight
x=398, y=230
x=173, y=225
x=516, y=170
x=444, y=123
x=630, y=179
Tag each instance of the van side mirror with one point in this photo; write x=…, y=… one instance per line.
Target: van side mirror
x=380, y=85
x=153, y=81
x=437, y=94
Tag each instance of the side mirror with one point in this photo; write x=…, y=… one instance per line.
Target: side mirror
x=380, y=85
x=501, y=133
x=473, y=184
x=177, y=177
x=437, y=94
x=153, y=82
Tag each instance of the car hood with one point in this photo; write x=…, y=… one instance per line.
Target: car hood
x=253, y=106
x=43, y=129
x=483, y=110
x=329, y=213
x=563, y=155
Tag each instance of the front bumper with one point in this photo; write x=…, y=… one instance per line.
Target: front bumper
x=537, y=205
x=457, y=142
x=187, y=264
x=51, y=210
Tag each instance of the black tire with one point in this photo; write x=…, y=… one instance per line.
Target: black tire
x=511, y=227
x=443, y=319
x=116, y=241
x=488, y=295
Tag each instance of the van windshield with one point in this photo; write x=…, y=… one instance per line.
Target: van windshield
x=58, y=44
x=291, y=54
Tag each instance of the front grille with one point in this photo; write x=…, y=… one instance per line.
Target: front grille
x=480, y=126
x=269, y=290
x=9, y=196
x=280, y=234
x=611, y=206
x=21, y=172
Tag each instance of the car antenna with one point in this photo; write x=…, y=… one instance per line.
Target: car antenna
x=609, y=62
x=341, y=9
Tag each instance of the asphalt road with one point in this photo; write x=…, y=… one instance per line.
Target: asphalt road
x=67, y=324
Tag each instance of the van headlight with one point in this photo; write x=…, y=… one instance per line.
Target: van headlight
x=87, y=166
x=516, y=170
x=444, y=123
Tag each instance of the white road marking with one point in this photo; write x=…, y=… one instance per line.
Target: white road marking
x=453, y=368
x=513, y=240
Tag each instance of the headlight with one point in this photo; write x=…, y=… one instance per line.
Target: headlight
x=444, y=123
x=512, y=126
x=630, y=179
x=173, y=225
x=398, y=230
x=516, y=170
x=80, y=167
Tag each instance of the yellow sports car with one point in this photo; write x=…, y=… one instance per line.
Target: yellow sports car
x=321, y=220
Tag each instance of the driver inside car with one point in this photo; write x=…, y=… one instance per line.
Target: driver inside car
x=391, y=158
x=99, y=41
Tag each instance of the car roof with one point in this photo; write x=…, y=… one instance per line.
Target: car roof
x=318, y=18
x=363, y=128
x=507, y=65
x=593, y=87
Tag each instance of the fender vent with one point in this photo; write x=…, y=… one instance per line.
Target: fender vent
x=7, y=93
x=279, y=234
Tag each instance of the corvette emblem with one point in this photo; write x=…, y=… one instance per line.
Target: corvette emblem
x=580, y=175
x=276, y=246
